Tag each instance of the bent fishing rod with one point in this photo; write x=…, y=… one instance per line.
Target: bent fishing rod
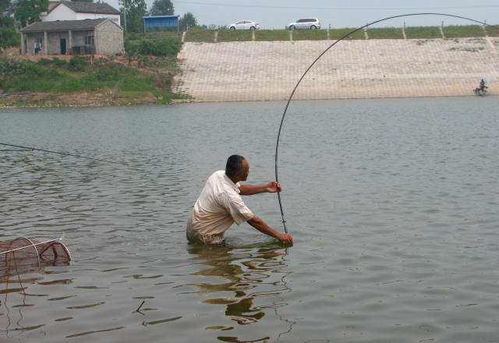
x=276, y=160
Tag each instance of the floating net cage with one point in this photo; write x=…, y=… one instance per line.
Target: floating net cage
x=22, y=255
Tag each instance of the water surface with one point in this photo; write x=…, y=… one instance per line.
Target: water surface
x=392, y=204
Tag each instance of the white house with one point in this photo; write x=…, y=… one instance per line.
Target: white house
x=68, y=10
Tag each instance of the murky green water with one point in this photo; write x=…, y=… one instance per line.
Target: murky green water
x=392, y=204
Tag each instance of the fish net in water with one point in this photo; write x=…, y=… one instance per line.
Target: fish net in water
x=22, y=255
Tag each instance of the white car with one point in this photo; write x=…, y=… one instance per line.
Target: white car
x=244, y=25
x=307, y=23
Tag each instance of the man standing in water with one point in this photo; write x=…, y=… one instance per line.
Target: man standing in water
x=220, y=205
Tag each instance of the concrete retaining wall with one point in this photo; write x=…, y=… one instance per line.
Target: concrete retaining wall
x=259, y=71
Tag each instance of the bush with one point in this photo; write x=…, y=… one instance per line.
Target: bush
x=200, y=35
x=77, y=63
x=54, y=61
x=43, y=77
x=492, y=30
x=385, y=33
x=272, y=35
x=463, y=31
x=234, y=35
x=26, y=75
x=157, y=46
x=8, y=34
x=28, y=69
x=58, y=62
x=421, y=32
x=309, y=34
x=340, y=33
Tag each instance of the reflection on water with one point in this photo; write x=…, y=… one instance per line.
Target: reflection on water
x=236, y=278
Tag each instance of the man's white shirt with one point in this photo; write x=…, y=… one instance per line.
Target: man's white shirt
x=219, y=205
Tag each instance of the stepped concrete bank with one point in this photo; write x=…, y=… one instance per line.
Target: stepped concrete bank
x=260, y=71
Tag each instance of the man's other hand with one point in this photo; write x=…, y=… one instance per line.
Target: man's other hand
x=273, y=187
x=286, y=238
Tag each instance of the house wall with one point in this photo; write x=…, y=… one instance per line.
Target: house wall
x=30, y=39
x=113, y=17
x=79, y=37
x=108, y=39
x=79, y=42
x=54, y=43
x=61, y=12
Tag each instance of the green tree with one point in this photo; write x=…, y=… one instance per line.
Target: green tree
x=134, y=10
x=4, y=4
x=8, y=34
x=28, y=11
x=187, y=21
x=162, y=7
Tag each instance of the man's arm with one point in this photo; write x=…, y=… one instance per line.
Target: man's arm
x=261, y=226
x=270, y=187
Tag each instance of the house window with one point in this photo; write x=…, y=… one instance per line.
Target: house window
x=89, y=40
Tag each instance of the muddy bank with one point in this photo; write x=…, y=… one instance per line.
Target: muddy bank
x=73, y=99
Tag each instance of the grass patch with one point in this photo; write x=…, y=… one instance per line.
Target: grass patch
x=155, y=45
x=339, y=33
x=272, y=35
x=198, y=35
x=492, y=30
x=77, y=75
x=153, y=35
x=138, y=81
x=418, y=32
x=162, y=34
x=309, y=34
x=385, y=33
x=463, y=31
x=234, y=35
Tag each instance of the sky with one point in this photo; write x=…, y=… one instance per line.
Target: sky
x=278, y=13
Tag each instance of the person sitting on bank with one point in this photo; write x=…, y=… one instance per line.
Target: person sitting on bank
x=220, y=205
x=482, y=85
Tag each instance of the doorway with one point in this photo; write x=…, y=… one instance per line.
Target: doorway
x=63, y=46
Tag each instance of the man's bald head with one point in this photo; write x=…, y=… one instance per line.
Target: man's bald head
x=237, y=168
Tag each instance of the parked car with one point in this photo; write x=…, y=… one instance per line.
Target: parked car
x=306, y=23
x=244, y=25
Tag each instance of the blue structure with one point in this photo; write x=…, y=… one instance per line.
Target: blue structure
x=160, y=22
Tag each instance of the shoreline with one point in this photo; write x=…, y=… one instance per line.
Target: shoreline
x=269, y=70
x=193, y=101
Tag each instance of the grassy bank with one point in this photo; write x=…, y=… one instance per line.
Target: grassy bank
x=420, y=32
x=144, y=75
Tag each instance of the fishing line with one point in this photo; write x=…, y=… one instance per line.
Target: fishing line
x=27, y=148
x=317, y=59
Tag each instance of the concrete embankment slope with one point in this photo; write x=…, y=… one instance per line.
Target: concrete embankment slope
x=259, y=71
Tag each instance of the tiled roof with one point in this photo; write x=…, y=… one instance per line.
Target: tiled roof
x=63, y=25
x=90, y=7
